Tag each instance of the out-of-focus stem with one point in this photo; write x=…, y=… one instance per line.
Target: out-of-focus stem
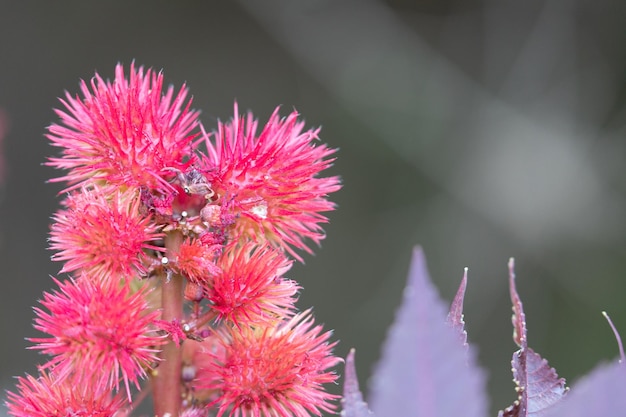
x=137, y=400
x=167, y=382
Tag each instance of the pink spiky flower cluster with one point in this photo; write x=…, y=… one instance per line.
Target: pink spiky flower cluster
x=176, y=242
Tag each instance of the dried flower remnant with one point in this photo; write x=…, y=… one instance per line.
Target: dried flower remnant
x=97, y=325
x=127, y=132
x=103, y=235
x=45, y=397
x=272, y=178
x=274, y=371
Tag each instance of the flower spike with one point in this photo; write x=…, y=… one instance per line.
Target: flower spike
x=177, y=261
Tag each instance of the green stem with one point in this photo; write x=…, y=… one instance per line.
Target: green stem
x=167, y=382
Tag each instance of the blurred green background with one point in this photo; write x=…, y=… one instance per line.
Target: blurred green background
x=480, y=130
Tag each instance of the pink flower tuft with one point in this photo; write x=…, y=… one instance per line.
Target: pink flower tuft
x=97, y=326
x=126, y=132
x=275, y=371
x=46, y=397
x=272, y=178
x=103, y=235
x=251, y=289
x=195, y=261
x=173, y=328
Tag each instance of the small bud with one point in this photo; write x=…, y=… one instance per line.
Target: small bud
x=193, y=292
x=188, y=373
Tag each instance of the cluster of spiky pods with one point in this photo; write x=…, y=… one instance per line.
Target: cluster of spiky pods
x=175, y=241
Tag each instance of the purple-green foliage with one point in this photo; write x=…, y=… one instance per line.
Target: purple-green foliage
x=427, y=368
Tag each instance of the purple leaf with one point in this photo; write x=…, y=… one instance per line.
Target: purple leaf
x=352, y=401
x=539, y=386
x=519, y=318
x=601, y=394
x=455, y=316
x=424, y=370
x=620, y=346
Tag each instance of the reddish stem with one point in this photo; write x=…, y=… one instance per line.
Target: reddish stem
x=167, y=382
x=200, y=321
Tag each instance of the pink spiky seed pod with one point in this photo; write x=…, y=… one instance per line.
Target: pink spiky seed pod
x=277, y=371
x=127, y=132
x=46, y=396
x=104, y=235
x=271, y=179
x=250, y=287
x=98, y=325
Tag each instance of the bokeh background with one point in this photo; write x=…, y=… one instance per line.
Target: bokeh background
x=479, y=129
